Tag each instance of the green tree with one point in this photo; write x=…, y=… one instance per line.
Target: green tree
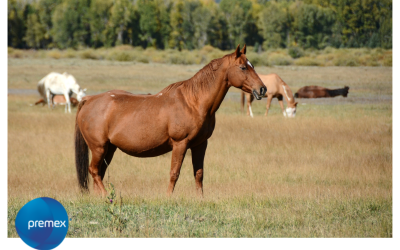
x=154, y=22
x=218, y=34
x=237, y=13
x=99, y=16
x=35, y=32
x=120, y=18
x=45, y=10
x=313, y=25
x=16, y=25
x=176, y=37
x=272, y=25
x=71, y=26
x=190, y=21
x=201, y=20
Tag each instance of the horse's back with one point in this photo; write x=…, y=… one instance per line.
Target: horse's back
x=275, y=85
x=312, y=92
x=115, y=104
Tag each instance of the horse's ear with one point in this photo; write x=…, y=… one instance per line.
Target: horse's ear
x=243, y=51
x=237, y=51
x=295, y=104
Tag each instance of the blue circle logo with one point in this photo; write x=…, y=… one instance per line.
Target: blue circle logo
x=42, y=223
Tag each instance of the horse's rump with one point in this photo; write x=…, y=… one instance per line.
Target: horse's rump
x=41, y=89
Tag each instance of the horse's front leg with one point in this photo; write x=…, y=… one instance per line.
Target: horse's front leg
x=280, y=100
x=198, y=154
x=178, y=155
x=68, y=103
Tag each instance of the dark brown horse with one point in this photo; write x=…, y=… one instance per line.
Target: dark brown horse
x=319, y=92
x=180, y=117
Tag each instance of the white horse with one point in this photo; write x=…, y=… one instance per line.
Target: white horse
x=60, y=84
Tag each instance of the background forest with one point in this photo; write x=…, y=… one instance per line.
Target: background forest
x=193, y=24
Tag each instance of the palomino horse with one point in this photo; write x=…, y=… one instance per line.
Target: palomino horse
x=319, y=92
x=276, y=87
x=59, y=100
x=60, y=84
x=180, y=117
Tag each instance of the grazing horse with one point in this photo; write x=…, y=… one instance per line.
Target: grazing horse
x=319, y=92
x=180, y=117
x=276, y=87
x=60, y=84
x=59, y=100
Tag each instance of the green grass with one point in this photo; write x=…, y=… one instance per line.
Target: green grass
x=250, y=217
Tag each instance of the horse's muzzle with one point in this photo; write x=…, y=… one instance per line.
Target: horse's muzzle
x=263, y=91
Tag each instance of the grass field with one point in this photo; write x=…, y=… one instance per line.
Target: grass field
x=325, y=173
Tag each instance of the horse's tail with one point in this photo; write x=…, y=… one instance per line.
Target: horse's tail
x=41, y=90
x=242, y=101
x=81, y=154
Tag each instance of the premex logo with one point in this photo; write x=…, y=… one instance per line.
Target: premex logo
x=42, y=223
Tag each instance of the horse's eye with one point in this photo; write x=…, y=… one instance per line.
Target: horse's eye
x=243, y=67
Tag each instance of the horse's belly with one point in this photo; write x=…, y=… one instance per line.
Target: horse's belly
x=139, y=140
x=139, y=151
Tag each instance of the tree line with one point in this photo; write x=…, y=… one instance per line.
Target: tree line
x=192, y=24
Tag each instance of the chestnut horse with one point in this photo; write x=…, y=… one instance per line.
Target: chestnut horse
x=319, y=92
x=180, y=117
x=276, y=87
x=59, y=100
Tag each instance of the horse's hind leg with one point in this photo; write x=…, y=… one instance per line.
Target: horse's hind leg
x=107, y=160
x=198, y=154
x=98, y=154
x=250, y=99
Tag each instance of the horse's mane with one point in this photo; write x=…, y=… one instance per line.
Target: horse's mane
x=200, y=82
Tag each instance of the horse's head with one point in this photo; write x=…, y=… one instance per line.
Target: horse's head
x=241, y=74
x=291, y=110
x=81, y=93
x=74, y=86
x=346, y=91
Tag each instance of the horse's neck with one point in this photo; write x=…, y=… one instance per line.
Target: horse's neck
x=210, y=98
x=218, y=94
x=335, y=92
x=287, y=93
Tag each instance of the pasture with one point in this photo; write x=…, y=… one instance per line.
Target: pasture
x=325, y=173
